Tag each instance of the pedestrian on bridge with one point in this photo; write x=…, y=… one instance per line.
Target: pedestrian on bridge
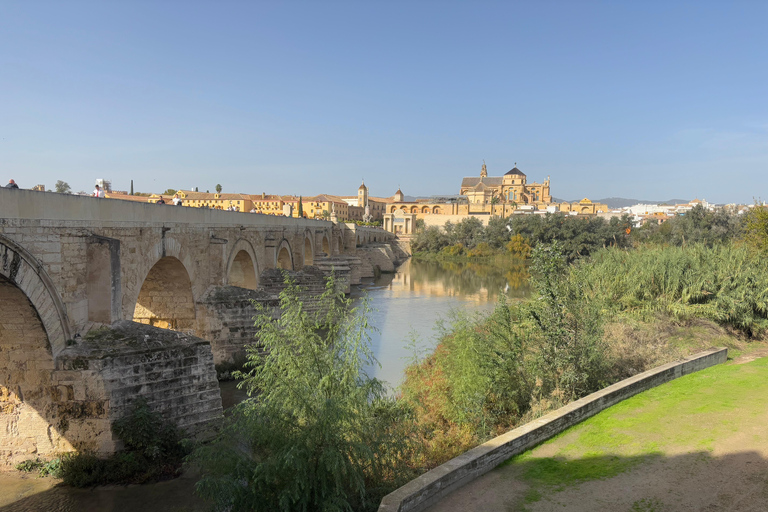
x=12, y=184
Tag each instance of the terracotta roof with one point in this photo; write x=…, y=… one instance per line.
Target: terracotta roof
x=474, y=181
x=381, y=199
x=267, y=197
x=126, y=197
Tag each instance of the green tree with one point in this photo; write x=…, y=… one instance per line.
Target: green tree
x=431, y=239
x=468, y=232
x=321, y=435
x=169, y=192
x=496, y=233
x=756, y=228
x=301, y=208
x=62, y=187
x=218, y=188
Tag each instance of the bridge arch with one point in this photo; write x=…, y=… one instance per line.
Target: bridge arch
x=243, y=266
x=25, y=272
x=309, y=249
x=35, y=326
x=168, y=247
x=32, y=414
x=284, y=256
x=326, y=246
x=165, y=298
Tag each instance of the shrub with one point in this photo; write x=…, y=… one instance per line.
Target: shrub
x=321, y=435
x=154, y=450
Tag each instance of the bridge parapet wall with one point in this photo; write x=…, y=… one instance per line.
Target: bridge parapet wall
x=58, y=208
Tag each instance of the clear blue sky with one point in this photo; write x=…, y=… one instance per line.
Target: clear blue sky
x=650, y=100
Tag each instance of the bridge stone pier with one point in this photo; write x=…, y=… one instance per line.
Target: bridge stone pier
x=103, y=301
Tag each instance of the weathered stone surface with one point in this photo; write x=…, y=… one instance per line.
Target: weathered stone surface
x=173, y=371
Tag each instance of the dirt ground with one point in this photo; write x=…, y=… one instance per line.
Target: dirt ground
x=734, y=478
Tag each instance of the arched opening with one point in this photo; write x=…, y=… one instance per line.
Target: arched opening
x=414, y=209
x=425, y=209
x=165, y=299
x=29, y=422
x=326, y=246
x=242, y=273
x=437, y=210
x=309, y=258
x=392, y=210
x=284, y=259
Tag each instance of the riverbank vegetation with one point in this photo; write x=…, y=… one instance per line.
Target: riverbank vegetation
x=608, y=301
x=318, y=434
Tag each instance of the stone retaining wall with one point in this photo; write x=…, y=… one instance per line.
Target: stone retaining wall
x=436, y=484
x=174, y=372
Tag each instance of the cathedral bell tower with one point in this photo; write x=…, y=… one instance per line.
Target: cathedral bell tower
x=362, y=195
x=483, y=171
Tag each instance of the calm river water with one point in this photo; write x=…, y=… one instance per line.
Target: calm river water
x=406, y=306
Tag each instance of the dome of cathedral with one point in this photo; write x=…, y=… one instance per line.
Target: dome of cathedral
x=514, y=170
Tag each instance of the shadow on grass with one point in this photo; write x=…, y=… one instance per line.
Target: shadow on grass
x=651, y=482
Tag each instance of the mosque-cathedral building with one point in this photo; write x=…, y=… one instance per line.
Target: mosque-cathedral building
x=483, y=196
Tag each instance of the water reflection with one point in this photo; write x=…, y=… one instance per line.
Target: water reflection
x=409, y=303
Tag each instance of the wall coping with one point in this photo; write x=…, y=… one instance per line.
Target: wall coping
x=432, y=486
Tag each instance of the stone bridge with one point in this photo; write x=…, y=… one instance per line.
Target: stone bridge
x=103, y=301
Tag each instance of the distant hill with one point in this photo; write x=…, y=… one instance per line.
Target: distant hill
x=412, y=199
x=621, y=202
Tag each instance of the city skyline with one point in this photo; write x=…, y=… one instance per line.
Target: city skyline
x=646, y=101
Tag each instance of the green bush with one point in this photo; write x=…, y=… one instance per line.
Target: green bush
x=43, y=468
x=154, y=450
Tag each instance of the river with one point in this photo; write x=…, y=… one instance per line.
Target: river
x=405, y=306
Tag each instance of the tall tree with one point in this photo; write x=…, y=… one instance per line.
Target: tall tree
x=218, y=188
x=62, y=187
x=301, y=209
